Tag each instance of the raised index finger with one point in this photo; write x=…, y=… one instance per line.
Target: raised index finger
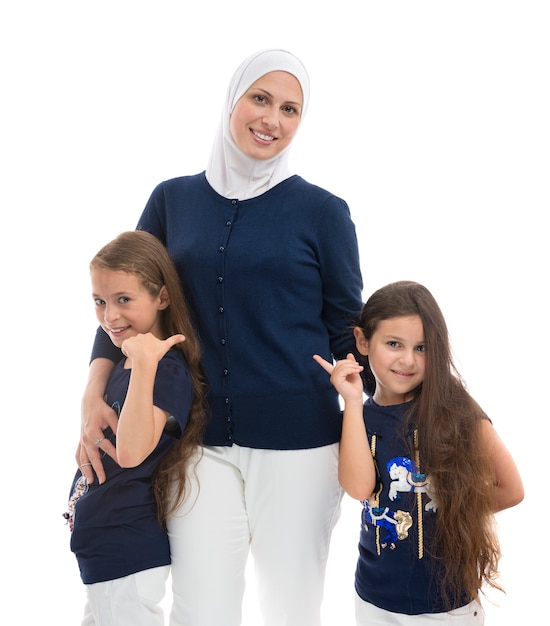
x=328, y=367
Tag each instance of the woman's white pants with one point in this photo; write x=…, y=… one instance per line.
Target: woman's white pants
x=282, y=505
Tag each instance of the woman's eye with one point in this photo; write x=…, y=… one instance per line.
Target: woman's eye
x=421, y=348
x=124, y=300
x=99, y=302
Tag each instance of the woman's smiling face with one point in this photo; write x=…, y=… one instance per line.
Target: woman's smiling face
x=266, y=117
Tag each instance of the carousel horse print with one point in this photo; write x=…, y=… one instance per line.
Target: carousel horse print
x=396, y=523
x=406, y=478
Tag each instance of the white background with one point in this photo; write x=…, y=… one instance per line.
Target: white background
x=429, y=118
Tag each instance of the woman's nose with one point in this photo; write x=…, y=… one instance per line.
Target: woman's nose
x=271, y=119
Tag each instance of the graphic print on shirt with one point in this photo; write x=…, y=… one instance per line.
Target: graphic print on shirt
x=393, y=525
x=80, y=488
x=405, y=478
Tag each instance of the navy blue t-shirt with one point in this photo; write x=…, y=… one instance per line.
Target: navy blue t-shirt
x=395, y=571
x=115, y=526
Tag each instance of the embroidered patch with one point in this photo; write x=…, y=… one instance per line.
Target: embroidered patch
x=80, y=488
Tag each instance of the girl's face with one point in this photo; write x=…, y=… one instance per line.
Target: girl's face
x=124, y=307
x=397, y=358
x=266, y=117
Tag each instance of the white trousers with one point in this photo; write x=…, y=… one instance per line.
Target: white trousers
x=130, y=601
x=280, y=504
x=367, y=614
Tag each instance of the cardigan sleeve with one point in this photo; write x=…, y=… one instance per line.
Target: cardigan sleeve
x=104, y=348
x=341, y=275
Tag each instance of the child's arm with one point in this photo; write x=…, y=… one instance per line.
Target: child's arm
x=356, y=471
x=508, y=483
x=140, y=424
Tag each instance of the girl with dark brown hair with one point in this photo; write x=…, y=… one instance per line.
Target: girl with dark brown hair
x=426, y=463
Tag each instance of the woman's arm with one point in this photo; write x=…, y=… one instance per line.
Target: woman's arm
x=96, y=415
x=508, y=484
x=356, y=471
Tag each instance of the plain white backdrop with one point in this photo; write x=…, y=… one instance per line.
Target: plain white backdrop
x=430, y=118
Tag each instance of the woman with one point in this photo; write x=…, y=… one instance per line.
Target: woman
x=270, y=266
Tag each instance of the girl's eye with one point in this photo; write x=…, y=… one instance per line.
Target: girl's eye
x=99, y=302
x=124, y=300
x=393, y=344
x=421, y=348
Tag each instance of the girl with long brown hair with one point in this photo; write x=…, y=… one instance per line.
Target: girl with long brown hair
x=157, y=393
x=426, y=463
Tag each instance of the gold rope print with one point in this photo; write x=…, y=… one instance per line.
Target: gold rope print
x=419, y=499
x=375, y=497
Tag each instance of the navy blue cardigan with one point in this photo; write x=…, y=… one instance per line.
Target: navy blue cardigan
x=270, y=281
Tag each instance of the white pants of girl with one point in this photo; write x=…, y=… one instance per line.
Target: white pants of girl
x=281, y=505
x=367, y=614
x=130, y=601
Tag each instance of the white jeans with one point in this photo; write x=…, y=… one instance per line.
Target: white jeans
x=280, y=504
x=130, y=601
x=367, y=614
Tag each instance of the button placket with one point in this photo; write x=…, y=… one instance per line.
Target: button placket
x=222, y=248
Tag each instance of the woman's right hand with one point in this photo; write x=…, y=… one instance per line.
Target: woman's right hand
x=96, y=416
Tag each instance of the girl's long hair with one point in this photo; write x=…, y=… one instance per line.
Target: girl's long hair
x=140, y=253
x=449, y=443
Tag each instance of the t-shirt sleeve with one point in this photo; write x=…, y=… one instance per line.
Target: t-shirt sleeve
x=173, y=389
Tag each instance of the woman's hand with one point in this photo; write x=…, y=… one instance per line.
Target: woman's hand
x=96, y=416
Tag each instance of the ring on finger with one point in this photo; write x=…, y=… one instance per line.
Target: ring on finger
x=98, y=441
x=84, y=465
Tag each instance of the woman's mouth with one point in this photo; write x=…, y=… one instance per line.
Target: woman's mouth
x=262, y=136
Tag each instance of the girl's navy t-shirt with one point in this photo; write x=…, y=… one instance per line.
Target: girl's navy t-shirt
x=115, y=526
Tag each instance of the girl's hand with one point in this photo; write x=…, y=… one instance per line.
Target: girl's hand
x=148, y=348
x=345, y=375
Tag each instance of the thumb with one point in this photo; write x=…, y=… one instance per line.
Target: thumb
x=174, y=339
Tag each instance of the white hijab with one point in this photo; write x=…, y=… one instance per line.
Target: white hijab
x=230, y=172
